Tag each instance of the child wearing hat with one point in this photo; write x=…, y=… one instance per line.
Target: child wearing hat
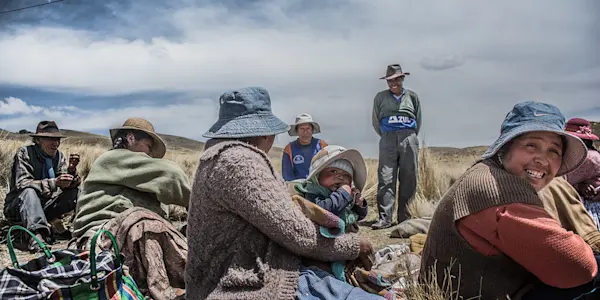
x=333, y=171
x=586, y=178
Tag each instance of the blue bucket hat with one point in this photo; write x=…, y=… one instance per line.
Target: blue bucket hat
x=533, y=116
x=246, y=112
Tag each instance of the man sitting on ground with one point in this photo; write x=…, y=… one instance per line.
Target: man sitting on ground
x=41, y=189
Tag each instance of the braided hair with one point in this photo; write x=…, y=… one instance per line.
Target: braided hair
x=120, y=140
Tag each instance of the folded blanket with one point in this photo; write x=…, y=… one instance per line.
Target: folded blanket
x=331, y=225
x=417, y=243
x=411, y=227
x=154, y=251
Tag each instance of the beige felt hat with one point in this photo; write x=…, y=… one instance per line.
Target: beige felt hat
x=304, y=118
x=158, y=148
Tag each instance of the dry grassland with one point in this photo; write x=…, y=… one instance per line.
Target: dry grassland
x=438, y=170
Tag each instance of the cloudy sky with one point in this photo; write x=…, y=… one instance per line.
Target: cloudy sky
x=91, y=64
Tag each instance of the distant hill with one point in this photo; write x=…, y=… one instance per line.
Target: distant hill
x=441, y=151
x=79, y=137
x=76, y=137
x=186, y=144
x=479, y=150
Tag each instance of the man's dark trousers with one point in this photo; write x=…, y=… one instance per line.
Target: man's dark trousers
x=398, y=160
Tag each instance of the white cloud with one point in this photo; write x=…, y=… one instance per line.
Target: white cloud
x=442, y=62
x=13, y=106
x=184, y=119
x=470, y=61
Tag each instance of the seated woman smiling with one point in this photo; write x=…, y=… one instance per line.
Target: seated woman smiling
x=491, y=230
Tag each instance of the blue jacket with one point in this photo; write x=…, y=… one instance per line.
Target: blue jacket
x=295, y=162
x=337, y=202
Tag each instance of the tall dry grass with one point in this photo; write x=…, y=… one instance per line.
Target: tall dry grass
x=188, y=160
x=436, y=174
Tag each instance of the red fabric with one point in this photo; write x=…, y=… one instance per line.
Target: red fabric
x=531, y=237
x=288, y=150
x=323, y=144
x=581, y=128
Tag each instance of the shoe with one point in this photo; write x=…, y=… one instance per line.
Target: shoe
x=381, y=224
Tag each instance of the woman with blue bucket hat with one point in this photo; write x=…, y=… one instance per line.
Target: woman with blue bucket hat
x=246, y=238
x=490, y=232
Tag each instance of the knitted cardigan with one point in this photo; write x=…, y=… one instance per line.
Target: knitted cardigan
x=246, y=237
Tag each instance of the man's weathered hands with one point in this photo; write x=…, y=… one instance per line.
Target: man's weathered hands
x=64, y=180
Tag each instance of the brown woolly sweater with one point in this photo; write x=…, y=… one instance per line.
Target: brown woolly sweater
x=506, y=213
x=245, y=236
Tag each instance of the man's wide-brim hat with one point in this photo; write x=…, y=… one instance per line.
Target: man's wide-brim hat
x=332, y=153
x=394, y=71
x=47, y=129
x=581, y=128
x=246, y=112
x=304, y=118
x=158, y=147
x=533, y=116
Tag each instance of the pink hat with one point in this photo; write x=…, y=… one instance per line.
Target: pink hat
x=581, y=128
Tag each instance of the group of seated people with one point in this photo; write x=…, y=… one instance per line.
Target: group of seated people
x=511, y=227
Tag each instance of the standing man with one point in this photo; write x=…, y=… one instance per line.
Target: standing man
x=297, y=155
x=397, y=120
x=41, y=188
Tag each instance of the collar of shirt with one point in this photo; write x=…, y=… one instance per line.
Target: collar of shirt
x=399, y=97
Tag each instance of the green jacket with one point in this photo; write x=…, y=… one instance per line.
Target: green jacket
x=120, y=179
x=27, y=173
x=385, y=105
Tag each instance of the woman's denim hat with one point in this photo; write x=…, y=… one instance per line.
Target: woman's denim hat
x=532, y=116
x=246, y=112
